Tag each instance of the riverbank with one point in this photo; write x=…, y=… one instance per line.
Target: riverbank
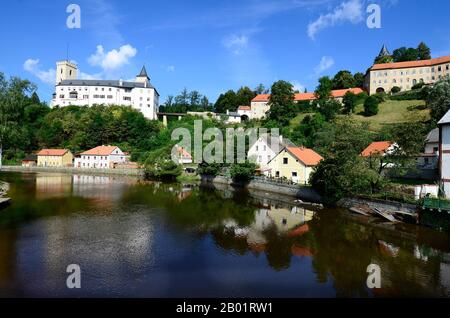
x=71, y=170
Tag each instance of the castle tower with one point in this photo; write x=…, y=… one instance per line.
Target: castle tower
x=142, y=77
x=384, y=52
x=65, y=70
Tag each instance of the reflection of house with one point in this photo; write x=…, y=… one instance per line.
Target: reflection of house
x=29, y=161
x=266, y=148
x=286, y=220
x=102, y=157
x=54, y=158
x=294, y=164
x=53, y=185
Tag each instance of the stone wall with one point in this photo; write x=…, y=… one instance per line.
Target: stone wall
x=71, y=170
x=302, y=193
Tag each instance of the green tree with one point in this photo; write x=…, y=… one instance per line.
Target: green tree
x=424, y=52
x=395, y=90
x=438, y=99
x=343, y=79
x=244, y=96
x=260, y=89
x=359, y=79
x=404, y=54
x=349, y=101
x=329, y=108
x=242, y=172
x=227, y=101
x=323, y=90
x=160, y=166
x=371, y=106
x=282, y=105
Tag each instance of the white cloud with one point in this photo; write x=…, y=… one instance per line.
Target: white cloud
x=235, y=44
x=298, y=86
x=350, y=11
x=325, y=63
x=113, y=59
x=32, y=66
x=85, y=76
x=170, y=68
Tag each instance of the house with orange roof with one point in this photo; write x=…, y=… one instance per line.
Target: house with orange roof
x=383, y=77
x=54, y=158
x=181, y=155
x=102, y=157
x=379, y=148
x=294, y=164
x=260, y=104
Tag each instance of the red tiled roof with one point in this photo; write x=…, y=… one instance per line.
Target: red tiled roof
x=244, y=108
x=308, y=156
x=376, y=148
x=338, y=93
x=432, y=62
x=183, y=152
x=52, y=152
x=100, y=151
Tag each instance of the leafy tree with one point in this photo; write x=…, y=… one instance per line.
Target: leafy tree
x=343, y=79
x=371, y=106
x=242, y=172
x=227, y=101
x=244, y=96
x=260, y=89
x=330, y=108
x=404, y=54
x=438, y=99
x=282, y=105
x=209, y=169
x=304, y=134
x=423, y=51
x=383, y=59
x=359, y=79
x=160, y=166
x=323, y=90
x=349, y=101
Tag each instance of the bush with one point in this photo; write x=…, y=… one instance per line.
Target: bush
x=371, y=106
x=381, y=97
x=395, y=90
x=243, y=172
x=418, y=85
x=209, y=169
x=418, y=94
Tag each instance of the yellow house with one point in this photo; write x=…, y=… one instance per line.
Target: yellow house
x=54, y=158
x=294, y=164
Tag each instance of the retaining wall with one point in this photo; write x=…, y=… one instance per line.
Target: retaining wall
x=71, y=170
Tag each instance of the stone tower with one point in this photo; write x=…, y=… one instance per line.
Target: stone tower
x=65, y=70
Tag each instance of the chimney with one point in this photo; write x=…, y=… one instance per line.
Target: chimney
x=228, y=111
x=281, y=139
x=120, y=82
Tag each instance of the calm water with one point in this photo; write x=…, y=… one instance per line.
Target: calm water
x=159, y=240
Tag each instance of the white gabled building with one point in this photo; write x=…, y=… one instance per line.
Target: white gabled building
x=266, y=148
x=102, y=157
x=444, y=153
x=139, y=94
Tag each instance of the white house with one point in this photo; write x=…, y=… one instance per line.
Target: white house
x=139, y=94
x=430, y=158
x=266, y=148
x=181, y=155
x=102, y=157
x=444, y=153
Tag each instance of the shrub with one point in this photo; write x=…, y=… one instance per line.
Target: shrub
x=381, y=97
x=209, y=169
x=242, y=172
x=371, y=106
x=395, y=90
x=418, y=85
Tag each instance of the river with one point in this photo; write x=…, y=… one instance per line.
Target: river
x=143, y=239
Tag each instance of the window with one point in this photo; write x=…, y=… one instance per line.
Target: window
x=256, y=148
x=268, y=158
x=439, y=69
x=294, y=174
x=127, y=98
x=265, y=147
x=277, y=174
x=436, y=149
x=285, y=161
x=85, y=96
x=447, y=67
x=110, y=96
x=61, y=96
x=260, y=159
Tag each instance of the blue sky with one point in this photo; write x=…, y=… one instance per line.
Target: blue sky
x=212, y=46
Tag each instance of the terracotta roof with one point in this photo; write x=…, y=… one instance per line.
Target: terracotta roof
x=100, y=151
x=308, y=156
x=244, y=108
x=341, y=92
x=310, y=96
x=183, y=152
x=376, y=148
x=261, y=98
x=432, y=62
x=52, y=152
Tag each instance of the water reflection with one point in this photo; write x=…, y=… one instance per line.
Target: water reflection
x=134, y=238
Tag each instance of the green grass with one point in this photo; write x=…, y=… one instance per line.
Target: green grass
x=390, y=112
x=394, y=112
